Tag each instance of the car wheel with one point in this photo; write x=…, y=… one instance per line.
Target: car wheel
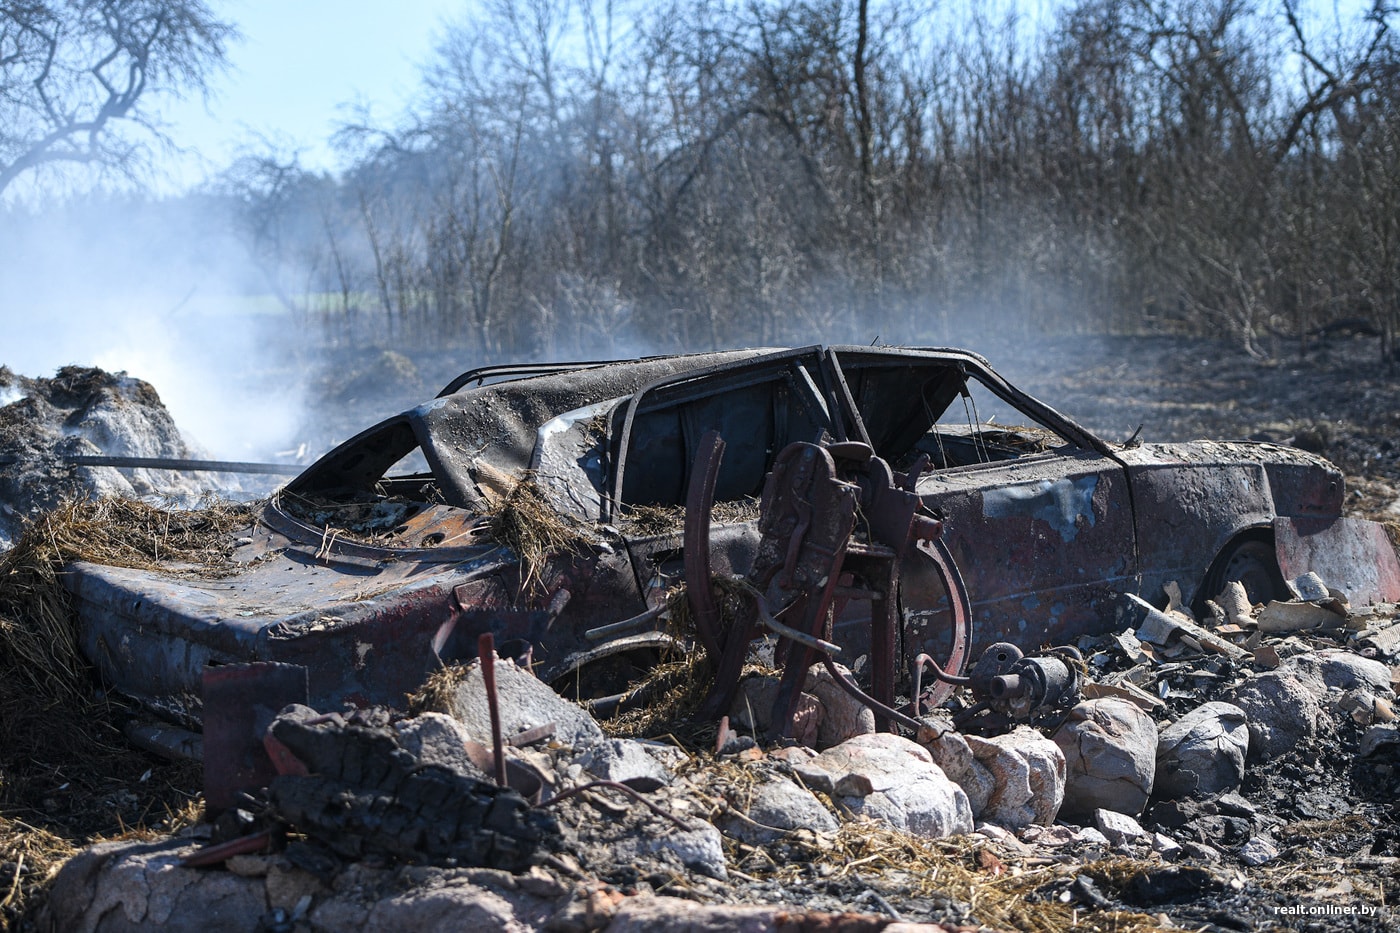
x=1251, y=562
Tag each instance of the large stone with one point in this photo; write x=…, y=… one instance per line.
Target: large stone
x=524, y=701
x=752, y=711
x=892, y=780
x=773, y=808
x=1028, y=773
x=1118, y=828
x=626, y=762
x=843, y=716
x=121, y=887
x=1282, y=708
x=650, y=914
x=951, y=752
x=1378, y=737
x=1202, y=754
x=1335, y=667
x=1110, y=749
x=700, y=847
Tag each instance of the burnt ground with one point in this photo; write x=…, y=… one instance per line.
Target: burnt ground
x=1334, y=816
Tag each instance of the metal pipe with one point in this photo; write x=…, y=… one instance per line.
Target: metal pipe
x=802, y=638
x=626, y=625
x=167, y=463
x=849, y=686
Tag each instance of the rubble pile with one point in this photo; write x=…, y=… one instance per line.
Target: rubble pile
x=1228, y=772
x=83, y=411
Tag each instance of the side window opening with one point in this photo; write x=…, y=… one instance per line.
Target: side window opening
x=913, y=407
x=977, y=426
x=757, y=419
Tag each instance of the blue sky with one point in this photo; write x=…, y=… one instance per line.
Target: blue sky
x=298, y=66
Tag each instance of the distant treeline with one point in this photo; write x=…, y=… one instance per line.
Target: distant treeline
x=580, y=177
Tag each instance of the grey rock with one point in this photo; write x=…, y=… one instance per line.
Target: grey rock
x=1233, y=804
x=699, y=848
x=752, y=711
x=1110, y=749
x=1054, y=835
x=951, y=752
x=892, y=780
x=626, y=762
x=1090, y=836
x=843, y=716
x=1282, y=709
x=776, y=807
x=438, y=739
x=121, y=887
x=1258, y=851
x=1203, y=752
x=1336, y=667
x=648, y=914
x=1201, y=851
x=525, y=702
x=1378, y=736
x=1118, y=828
x=1028, y=771
x=1166, y=846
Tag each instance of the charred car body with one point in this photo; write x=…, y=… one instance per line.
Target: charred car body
x=368, y=572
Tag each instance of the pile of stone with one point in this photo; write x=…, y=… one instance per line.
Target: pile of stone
x=1152, y=765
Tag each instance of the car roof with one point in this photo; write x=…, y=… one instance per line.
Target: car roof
x=499, y=421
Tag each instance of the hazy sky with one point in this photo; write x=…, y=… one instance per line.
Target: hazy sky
x=299, y=63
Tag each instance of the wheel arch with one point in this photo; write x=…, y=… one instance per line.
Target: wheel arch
x=1254, y=544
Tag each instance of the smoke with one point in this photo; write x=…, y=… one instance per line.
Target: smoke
x=161, y=290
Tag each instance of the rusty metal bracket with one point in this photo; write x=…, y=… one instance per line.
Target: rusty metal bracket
x=699, y=500
x=829, y=514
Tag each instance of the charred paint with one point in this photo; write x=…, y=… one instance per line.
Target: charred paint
x=1059, y=503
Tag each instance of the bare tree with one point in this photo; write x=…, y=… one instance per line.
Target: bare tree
x=77, y=77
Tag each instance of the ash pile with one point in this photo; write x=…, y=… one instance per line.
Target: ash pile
x=1236, y=771
x=84, y=412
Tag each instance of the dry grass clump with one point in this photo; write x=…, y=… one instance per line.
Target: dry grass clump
x=38, y=644
x=524, y=521
x=29, y=857
x=670, y=519
x=438, y=691
x=66, y=773
x=998, y=894
x=672, y=692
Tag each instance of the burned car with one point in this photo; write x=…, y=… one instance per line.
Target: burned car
x=910, y=502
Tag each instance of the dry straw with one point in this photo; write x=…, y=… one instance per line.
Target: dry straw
x=60, y=745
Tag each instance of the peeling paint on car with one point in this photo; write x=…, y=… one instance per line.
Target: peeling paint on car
x=1059, y=503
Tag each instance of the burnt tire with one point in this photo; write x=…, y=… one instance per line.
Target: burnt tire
x=1250, y=562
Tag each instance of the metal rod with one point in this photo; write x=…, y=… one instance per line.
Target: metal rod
x=845, y=683
x=802, y=638
x=629, y=791
x=699, y=500
x=486, y=651
x=924, y=660
x=626, y=625
x=167, y=463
